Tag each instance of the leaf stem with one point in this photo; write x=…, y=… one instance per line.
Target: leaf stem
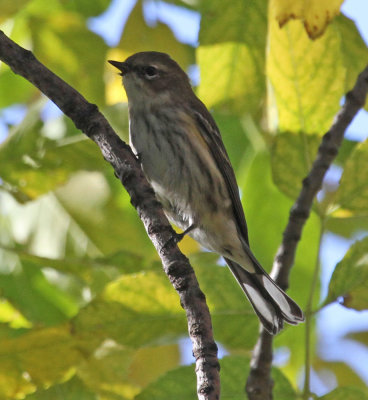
x=309, y=315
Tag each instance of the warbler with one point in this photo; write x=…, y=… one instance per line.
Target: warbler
x=183, y=157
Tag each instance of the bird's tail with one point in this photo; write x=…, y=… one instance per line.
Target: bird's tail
x=272, y=305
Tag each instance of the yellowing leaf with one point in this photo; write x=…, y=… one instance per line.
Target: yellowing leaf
x=307, y=77
x=43, y=355
x=230, y=77
x=231, y=54
x=315, y=14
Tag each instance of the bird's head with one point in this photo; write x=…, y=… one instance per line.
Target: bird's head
x=151, y=74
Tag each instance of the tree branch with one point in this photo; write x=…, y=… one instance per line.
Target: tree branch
x=259, y=383
x=90, y=121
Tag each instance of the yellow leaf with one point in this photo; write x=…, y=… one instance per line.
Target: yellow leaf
x=307, y=78
x=231, y=77
x=315, y=14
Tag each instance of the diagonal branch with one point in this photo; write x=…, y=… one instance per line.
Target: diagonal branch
x=259, y=384
x=90, y=121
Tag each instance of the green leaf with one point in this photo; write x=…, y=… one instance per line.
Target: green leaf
x=35, y=359
x=354, y=49
x=87, y=8
x=352, y=194
x=106, y=216
x=96, y=272
x=8, y=8
x=180, y=383
x=34, y=165
x=138, y=36
x=82, y=66
x=136, y=310
x=292, y=157
x=227, y=303
x=267, y=211
x=231, y=55
x=301, y=73
x=13, y=88
x=74, y=389
x=350, y=278
x=346, y=393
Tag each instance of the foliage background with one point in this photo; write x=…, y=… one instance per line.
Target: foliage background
x=85, y=309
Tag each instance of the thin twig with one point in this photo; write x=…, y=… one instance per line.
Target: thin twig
x=90, y=121
x=259, y=383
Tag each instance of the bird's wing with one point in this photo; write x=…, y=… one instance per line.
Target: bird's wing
x=211, y=135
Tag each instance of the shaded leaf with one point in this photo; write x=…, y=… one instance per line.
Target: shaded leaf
x=87, y=8
x=8, y=8
x=350, y=278
x=80, y=65
x=346, y=393
x=105, y=215
x=234, y=370
x=34, y=165
x=267, y=211
x=234, y=322
x=315, y=14
x=354, y=49
x=352, y=194
x=345, y=375
x=33, y=295
x=292, y=157
x=96, y=272
x=13, y=88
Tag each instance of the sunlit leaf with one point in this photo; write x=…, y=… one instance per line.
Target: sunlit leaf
x=307, y=77
x=42, y=355
x=74, y=389
x=315, y=14
x=350, y=278
x=231, y=55
x=135, y=310
x=107, y=370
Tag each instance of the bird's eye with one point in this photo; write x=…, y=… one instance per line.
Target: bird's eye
x=150, y=72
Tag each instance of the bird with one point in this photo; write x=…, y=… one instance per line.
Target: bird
x=182, y=155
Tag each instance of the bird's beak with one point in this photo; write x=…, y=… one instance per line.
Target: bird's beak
x=121, y=66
